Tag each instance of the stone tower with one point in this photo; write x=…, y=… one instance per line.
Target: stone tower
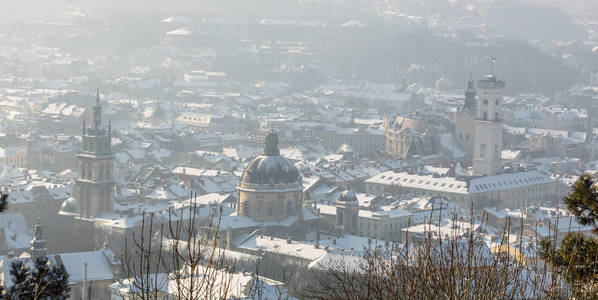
x=95, y=163
x=38, y=243
x=470, y=103
x=488, y=135
x=347, y=213
x=464, y=128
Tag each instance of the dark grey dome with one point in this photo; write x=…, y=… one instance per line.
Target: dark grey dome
x=348, y=196
x=271, y=168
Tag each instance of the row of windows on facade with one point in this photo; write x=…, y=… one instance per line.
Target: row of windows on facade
x=104, y=171
x=486, y=102
x=393, y=233
x=419, y=192
x=85, y=196
x=485, y=116
x=99, y=147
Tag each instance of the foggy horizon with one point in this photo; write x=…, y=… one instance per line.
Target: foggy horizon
x=298, y=149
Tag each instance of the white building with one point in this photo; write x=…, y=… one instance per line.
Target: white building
x=505, y=190
x=488, y=132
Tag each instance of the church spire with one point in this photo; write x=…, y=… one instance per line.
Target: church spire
x=470, y=93
x=97, y=112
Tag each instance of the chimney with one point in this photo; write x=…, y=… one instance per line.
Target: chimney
x=317, y=245
x=289, y=241
x=369, y=243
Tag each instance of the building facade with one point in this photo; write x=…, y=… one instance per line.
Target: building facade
x=488, y=127
x=270, y=188
x=507, y=190
x=95, y=184
x=407, y=137
x=464, y=130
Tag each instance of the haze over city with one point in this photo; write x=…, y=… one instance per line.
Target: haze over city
x=298, y=149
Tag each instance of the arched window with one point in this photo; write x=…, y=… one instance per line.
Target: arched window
x=88, y=173
x=108, y=170
x=101, y=172
x=102, y=204
x=82, y=170
x=87, y=204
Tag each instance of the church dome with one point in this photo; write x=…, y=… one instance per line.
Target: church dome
x=271, y=167
x=69, y=206
x=348, y=196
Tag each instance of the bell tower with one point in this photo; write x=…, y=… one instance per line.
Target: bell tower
x=488, y=127
x=38, y=243
x=470, y=92
x=347, y=213
x=95, y=162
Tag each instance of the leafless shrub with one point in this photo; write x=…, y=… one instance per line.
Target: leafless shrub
x=180, y=257
x=435, y=266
